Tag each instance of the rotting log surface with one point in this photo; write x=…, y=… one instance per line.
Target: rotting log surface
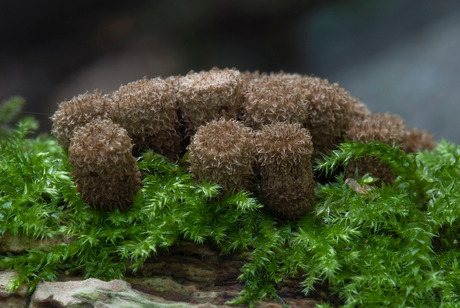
x=199, y=274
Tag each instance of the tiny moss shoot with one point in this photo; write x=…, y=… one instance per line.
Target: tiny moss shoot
x=371, y=245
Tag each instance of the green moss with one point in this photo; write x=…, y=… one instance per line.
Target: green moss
x=394, y=245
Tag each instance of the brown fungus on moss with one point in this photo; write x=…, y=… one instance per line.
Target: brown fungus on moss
x=106, y=174
x=223, y=152
x=381, y=127
x=209, y=95
x=284, y=160
x=77, y=112
x=417, y=140
x=358, y=110
x=147, y=109
x=273, y=98
x=328, y=112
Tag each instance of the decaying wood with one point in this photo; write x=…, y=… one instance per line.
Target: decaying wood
x=199, y=274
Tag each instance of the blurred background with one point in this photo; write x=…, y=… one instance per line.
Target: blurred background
x=399, y=56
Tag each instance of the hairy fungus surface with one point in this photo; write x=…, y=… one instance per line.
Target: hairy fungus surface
x=284, y=159
x=147, y=109
x=207, y=96
x=328, y=112
x=386, y=128
x=382, y=127
x=358, y=111
x=78, y=111
x=417, y=140
x=105, y=170
x=273, y=98
x=223, y=152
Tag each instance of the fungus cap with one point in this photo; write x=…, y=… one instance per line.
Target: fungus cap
x=105, y=170
x=223, y=152
x=77, y=112
x=209, y=95
x=273, y=98
x=284, y=160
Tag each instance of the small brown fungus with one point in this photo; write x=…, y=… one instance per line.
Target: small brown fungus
x=273, y=98
x=77, y=112
x=382, y=127
x=147, y=109
x=284, y=160
x=207, y=96
x=328, y=112
x=105, y=171
x=223, y=152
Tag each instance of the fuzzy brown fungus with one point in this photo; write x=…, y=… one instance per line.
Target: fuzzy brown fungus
x=209, y=95
x=382, y=127
x=244, y=130
x=106, y=174
x=147, y=109
x=328, y=112
x=223, y=152
x=358, y=110
x=77, y=112
x=418, y=140
x=284, y=161
x=273, y=98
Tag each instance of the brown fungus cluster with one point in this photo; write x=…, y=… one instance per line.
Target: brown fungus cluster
x=243, y=130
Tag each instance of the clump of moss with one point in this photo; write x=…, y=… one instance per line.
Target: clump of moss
x=9, y=111
x=223, y=152
x=105, y=171
x=284, y=159
x=77, y=112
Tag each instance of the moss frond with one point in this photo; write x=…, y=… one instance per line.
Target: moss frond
x=9, y=111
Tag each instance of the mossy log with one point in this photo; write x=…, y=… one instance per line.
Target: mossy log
x=196, y=275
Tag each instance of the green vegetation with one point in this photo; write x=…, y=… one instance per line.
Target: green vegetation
x=393, y=245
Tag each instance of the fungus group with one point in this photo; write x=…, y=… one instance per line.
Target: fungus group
x=253, y=131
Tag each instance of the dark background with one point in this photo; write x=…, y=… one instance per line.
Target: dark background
x=400, y=56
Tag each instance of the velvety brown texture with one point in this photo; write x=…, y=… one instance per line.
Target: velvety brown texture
x=273, y=98
x=288, y=118
x=209, y=95
x=78, y=111
x=389, y=129
x=382, y=127
x=223, y=152
x=147, y=109
x=328, y=112
x=284, y=160
x=358, y=110
x=105, y=171
x=417, y=140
